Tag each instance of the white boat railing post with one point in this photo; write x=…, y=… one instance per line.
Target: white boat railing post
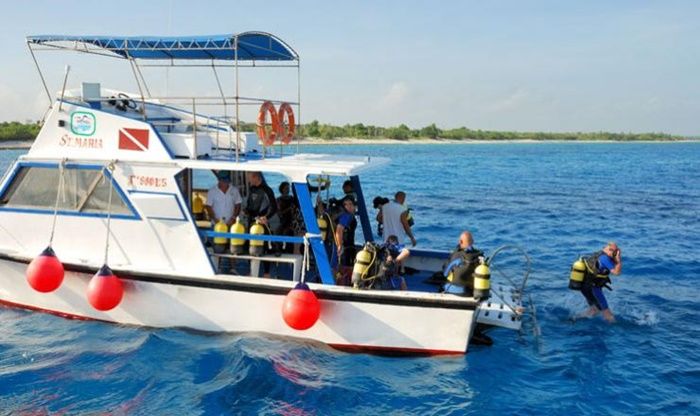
x=136, y=77
x=63, y=90
x=223, y=97
x=194, y=128
x=298, y=98
x=238, y=122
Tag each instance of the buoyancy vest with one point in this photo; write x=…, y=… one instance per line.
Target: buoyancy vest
x=461, y=265
x=596, y=274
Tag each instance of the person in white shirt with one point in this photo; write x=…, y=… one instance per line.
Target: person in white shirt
x=223, y=200
x=394, y=217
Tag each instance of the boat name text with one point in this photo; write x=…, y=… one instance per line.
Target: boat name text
x=80, y=142
x=147, y=181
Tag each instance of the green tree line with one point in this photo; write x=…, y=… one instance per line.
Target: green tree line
x=403, y=132
x=20, y=131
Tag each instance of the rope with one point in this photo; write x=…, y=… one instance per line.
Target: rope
x=306, y=260
x=61, y=185
x=109, y=169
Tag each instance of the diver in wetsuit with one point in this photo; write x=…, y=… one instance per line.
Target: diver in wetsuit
x=599, y=266
x=260, y=205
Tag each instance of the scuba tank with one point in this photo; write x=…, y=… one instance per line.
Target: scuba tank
x=257, y=247
x=409, y=216
x=197, y=208
x=237, y=244
x=482, y=284
x=220, y=227
x=323, y=227
x=363, y=260
x=578, y=273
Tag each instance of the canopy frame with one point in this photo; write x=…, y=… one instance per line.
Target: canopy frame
x=252, y=47
x=246, y=49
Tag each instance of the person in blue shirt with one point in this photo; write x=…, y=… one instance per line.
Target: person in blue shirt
x=346, y=224
x=599, y=266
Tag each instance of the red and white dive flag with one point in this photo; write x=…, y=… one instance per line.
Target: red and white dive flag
x=133, y=139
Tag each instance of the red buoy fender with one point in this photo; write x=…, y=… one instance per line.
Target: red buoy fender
x=105, y=290
x=301, y=309
x=45, y=273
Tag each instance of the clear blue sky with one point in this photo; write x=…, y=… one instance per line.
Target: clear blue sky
x=623, y=66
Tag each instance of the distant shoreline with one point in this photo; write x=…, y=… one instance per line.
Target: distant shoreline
x=15, y=144
x=26, y=144
x=353, y=141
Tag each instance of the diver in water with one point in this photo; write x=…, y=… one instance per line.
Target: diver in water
x=599, y=266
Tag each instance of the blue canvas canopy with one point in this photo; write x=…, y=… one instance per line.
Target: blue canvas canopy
x=252, y=46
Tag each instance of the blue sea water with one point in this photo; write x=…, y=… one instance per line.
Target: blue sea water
x=557, y=200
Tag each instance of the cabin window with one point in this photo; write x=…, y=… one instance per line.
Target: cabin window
x=85, y=190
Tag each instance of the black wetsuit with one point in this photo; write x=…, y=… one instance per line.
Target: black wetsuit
x=349, y=223
x=261, y=202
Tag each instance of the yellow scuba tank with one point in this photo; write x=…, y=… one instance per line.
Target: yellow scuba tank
x=220, y=227
x=323, y=227
x=409, y=216
x=482, y=284
x=197, y=207
x=363, y=260
x=578, y=272
x=237, y=244
x=257, y=247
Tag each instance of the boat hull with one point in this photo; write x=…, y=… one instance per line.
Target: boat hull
x=350, y=319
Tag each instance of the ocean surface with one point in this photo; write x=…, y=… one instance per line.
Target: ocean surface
x=556, y=200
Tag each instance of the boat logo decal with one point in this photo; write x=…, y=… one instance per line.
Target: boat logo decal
x=133, y=139
x=82, y=123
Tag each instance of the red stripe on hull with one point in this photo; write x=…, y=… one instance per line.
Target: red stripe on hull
x=392, y=350
x=50, y=311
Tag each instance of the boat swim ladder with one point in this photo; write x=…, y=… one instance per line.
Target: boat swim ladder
x=512, y=297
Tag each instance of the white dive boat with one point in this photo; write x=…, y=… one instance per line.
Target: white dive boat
x=112, y=177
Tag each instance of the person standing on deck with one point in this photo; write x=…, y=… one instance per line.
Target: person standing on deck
x=223, y=203
x=223, y=200
x=345, y=240
x=394, y=217
x=261, y=203
x=378, y=202
x=349, y=190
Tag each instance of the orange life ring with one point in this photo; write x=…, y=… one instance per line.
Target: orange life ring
x=268, y=138
x=286, y=130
